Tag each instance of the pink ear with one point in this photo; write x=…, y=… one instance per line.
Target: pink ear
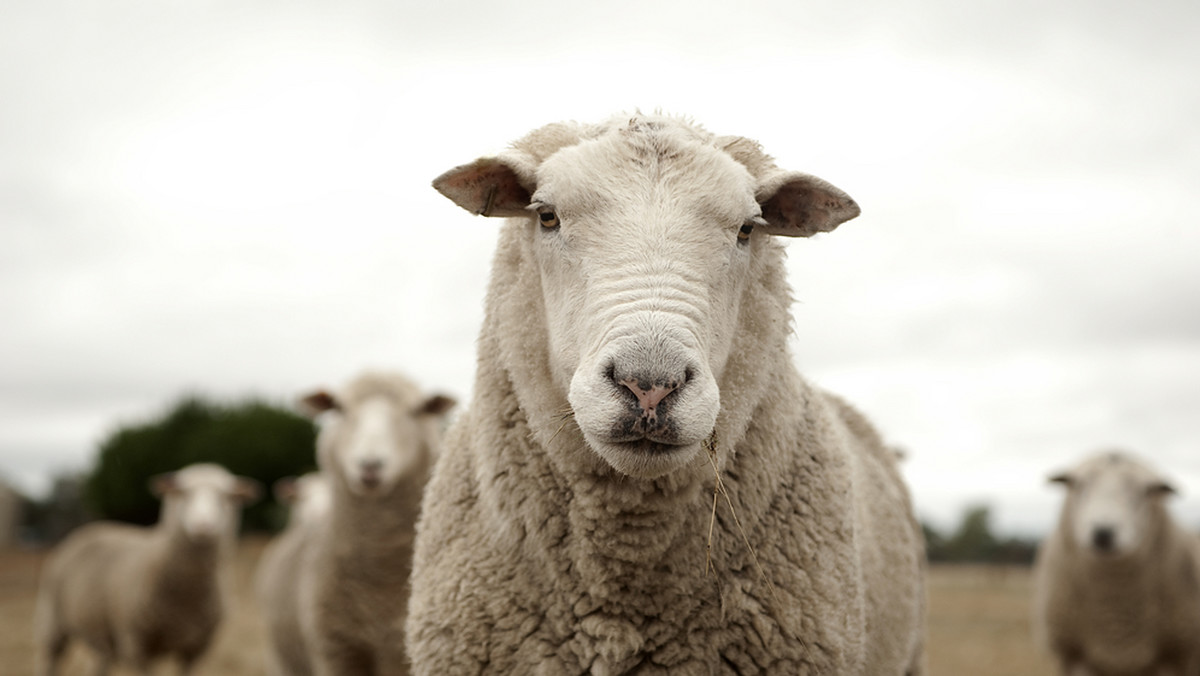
x=803, y=205
x=487, y=187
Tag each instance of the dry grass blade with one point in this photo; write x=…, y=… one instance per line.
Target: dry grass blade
x=566, y=415
x=710, y=445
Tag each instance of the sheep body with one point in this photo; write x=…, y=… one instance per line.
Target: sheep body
x=1117, y=583
x=375, y=451
x=542, y=548
x=135, y=594
x=277, y=581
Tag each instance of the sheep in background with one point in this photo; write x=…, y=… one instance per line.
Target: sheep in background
x=376, y=445
x=135, y=594
x=644, y=483
x=277, y=580
x=1117, y=583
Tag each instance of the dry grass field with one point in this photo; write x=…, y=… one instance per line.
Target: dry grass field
x=978, y=622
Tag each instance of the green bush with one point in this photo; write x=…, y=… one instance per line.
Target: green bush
x=250, y=438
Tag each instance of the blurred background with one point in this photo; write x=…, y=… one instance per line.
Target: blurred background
x=230, y=201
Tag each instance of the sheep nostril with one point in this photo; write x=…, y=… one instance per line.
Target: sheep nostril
x=648, y=395
x=1103, y=538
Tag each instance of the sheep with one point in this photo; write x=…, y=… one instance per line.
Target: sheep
x=277, y=578
x=1117, y=582
x=135, y=594
x=643, y=481
x=376, y=445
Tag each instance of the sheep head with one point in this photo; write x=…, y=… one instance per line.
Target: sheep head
x=308, y=496
x=1114, y=504
x=379, y=428
x=204, y=500
x=645, y=235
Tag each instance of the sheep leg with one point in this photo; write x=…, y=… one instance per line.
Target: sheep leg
x=1076, y=668
x=345, y=660
x=130, y=651
x=100, y=665
x=50, y=654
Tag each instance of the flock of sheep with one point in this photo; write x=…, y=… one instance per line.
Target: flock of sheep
x=643, y=483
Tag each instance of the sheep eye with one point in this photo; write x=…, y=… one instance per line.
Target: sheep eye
x=548, y=219
x=744, y=232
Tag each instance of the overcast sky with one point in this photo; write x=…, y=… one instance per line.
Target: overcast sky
x=233, y=198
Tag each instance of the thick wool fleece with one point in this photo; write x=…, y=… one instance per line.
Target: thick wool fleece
x=534, y=557
x=1136, y=615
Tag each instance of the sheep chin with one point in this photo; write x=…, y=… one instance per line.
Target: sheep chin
x=643, y=459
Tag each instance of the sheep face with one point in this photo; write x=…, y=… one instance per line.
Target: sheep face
x=645, y=237
x=204, y=500
x=377, y=431
x=309, y=497
x=1113, y=506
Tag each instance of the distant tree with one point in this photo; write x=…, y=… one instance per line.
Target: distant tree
x=250, y=438
x=973, y=542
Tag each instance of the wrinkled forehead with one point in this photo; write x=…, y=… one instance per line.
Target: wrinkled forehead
x=664, y=166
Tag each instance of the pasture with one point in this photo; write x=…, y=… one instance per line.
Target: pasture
x=978, y=621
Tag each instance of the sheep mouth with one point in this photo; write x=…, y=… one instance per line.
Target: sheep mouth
x=645, y=431
x=648, y=446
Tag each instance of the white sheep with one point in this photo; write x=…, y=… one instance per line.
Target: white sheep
x=635, y=348
x=1117, y=583
x=376, y=446
x=277, y=580
x=135, y=594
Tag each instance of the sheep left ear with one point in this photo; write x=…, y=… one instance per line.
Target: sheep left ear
x=1063, y=478
x=799, y=205
x=285, y=490
x=247, y=490
x=489, y=186
x=1161, y=488
x=161, y=484
x=436, y=405
x=318, y=402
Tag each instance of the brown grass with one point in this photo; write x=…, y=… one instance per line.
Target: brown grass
x=978, y=622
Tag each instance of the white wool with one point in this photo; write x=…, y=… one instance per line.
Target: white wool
x=1117, y=583
x=137, y=594
x=634, y=353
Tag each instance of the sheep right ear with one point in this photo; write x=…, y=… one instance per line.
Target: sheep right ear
x=318, y=402
x=437, y=405
x=161, y=484
x=246, y=490
x=285, y=490
x=1160, y=488
x=1063, y=478
x=489, y=186
x=800, y=205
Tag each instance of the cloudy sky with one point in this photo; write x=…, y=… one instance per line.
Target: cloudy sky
x=233, y=198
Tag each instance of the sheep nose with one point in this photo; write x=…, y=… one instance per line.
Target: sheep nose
x=370, y=471
x=648, y=395
x=1103, y=538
